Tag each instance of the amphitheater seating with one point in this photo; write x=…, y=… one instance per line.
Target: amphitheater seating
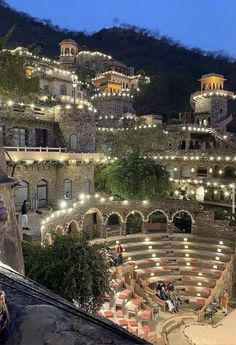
x=162, y=257
x=192, y=263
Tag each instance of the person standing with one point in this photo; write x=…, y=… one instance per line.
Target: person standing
x=119, y=251
x=225, y=301
x=24, y=216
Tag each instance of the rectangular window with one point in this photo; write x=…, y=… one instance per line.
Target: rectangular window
x=19, y=137
x=63, y=89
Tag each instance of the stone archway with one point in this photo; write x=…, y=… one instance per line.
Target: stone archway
x=73, y=228
x=113, y=224
x=157, y=221
x=134, y=222
x=182, y=221
x=59, y=230
x=92, y=223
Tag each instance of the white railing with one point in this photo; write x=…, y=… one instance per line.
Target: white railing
x=49, y=154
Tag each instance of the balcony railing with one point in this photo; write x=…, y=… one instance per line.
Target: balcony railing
x=39, y=154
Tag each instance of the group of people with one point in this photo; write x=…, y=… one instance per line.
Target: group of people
x=170, y=295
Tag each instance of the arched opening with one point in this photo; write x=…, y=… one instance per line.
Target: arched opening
x=73, y=142
x=134, y=223
x=22, y=193
x=215, y=171
x=86, y=185
x=67, y=51
x=47, y=240
x=202, y=172
x=170, y=169
x=113, y=225
x=67, y=189
x=59, y=230
x=183, y=222
x=92, y=223
x=204, y=87
x=73, y=228
x=230, y=172
x=200, y=192
x=42, y=193
x=72, y=51
x=157, y=221
x=185, y=171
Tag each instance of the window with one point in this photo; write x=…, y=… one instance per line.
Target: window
x=86, y=186
x=46, y=88
x=73, y=142
x=67, y=51
x=63, y=89
x=67, y=189
x=19, y=137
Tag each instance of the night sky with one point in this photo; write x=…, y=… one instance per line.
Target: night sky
x=207, y=24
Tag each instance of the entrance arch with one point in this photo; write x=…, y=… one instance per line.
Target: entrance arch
x=182, y=221
x=59, y=230
x=22, y=193
x=42, y=193
x=113, y=224
x=92, y=223
x=157, y=221
x=73, y=228
x=134, y=222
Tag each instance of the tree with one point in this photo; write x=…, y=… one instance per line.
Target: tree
x=131, y=140
x=13, y=78
x=72, y=268
x=133, y=178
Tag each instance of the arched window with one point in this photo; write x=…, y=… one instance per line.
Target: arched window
x=185, y=171
x=72, y=51
x=67, y=51
x=67, y=189
x=182, y=222
x=22, y=193
x=42, y=193
x=86, y=186
x=170, y=169
x=73, y=142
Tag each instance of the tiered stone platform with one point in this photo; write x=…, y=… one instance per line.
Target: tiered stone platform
x=192, y=263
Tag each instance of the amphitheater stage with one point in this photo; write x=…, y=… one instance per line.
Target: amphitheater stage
x=223, y=333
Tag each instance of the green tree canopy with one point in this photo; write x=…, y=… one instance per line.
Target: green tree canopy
x=13, y=79
x=131, y=140
x=133, y=178
x=72, y=268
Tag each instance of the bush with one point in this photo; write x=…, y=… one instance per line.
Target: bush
x=72, y=268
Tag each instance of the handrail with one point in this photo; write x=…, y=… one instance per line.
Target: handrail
x=216, y=288
x=36, y=148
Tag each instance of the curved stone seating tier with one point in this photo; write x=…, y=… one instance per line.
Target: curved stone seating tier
x=192, y=263
x=164, y=237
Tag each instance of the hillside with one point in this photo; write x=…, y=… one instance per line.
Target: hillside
x=174, y=68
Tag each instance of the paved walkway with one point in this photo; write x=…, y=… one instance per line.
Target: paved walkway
x=223, y=333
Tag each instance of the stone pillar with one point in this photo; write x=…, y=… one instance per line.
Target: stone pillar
x=103, y=231
x=123, y=229
x=145, y=227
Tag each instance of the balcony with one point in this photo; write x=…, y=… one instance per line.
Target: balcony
x=39, y=154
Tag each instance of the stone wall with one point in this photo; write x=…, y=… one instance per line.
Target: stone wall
x=81, y=175
x=10, y=245
x=115, y=106
x=215, y=105
x=81, y=123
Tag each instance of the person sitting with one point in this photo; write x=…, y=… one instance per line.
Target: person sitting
x=4, y=315
x=164, y=295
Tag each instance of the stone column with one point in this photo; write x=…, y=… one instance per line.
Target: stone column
x=145, y=227
x=123, y=229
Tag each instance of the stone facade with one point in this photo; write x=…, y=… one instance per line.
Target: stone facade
x=112, y=105
x=80, y=175
x=80, y=124
x=214, y=106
